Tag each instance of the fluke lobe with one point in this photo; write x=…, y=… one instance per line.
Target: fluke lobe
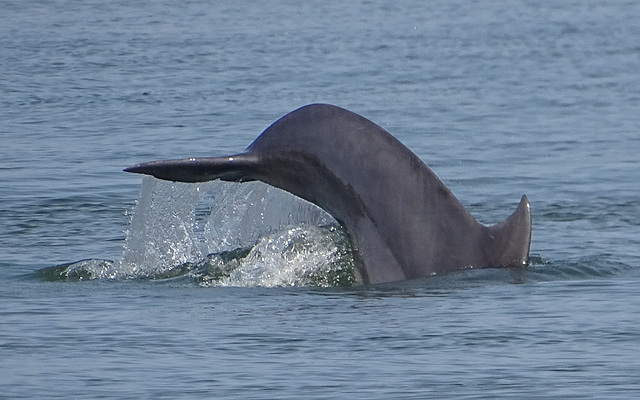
x=403, y=222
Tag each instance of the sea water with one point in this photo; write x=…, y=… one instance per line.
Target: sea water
x=113, y=286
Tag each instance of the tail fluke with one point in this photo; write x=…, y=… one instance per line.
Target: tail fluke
x=238, y=168
x=511, y=238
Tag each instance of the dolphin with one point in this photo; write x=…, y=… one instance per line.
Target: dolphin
x=403, y=222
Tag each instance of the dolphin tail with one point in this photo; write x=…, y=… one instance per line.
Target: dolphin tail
x=510, y=239
x=237, y=168
x=506, y=244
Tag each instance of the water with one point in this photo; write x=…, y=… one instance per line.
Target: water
x=498, y=98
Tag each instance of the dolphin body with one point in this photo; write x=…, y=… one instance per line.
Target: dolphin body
x=403, y=222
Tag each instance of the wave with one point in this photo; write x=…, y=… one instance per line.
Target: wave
x=587, y=267
x=320, y=257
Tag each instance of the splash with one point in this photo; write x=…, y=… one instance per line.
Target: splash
x=224, y=234
x=304, y=255
x=161, y=235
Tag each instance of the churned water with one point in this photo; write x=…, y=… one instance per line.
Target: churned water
x=112, y=286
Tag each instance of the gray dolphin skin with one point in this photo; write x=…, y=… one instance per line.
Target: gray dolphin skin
x=403, y=222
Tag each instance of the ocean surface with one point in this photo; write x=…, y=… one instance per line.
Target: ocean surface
x=115, y=286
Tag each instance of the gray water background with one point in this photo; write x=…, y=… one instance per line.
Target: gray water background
x=498, y=98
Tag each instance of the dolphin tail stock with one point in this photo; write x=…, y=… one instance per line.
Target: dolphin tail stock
x=510, y=240
x=236, y=168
